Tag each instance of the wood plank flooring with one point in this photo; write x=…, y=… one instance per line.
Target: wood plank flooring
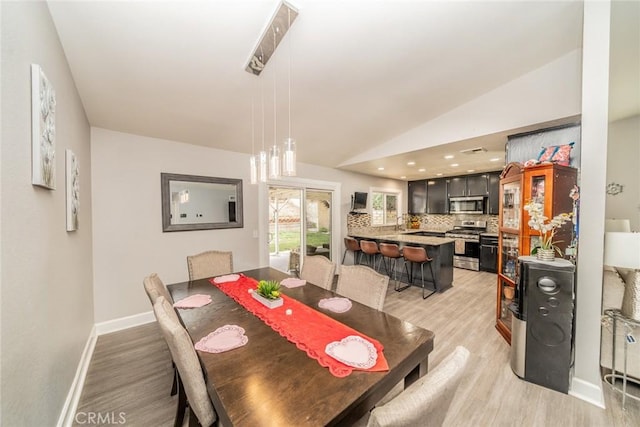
x=130, y=371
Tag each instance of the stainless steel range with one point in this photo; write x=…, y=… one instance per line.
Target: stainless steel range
x=467, y=243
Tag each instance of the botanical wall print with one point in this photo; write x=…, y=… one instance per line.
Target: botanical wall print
x=43, y=130
x=73, y=190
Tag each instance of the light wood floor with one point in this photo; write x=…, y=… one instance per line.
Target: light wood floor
x=130, y=371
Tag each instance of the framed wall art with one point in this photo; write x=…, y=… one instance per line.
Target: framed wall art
x=43, y=130
x=73, y=190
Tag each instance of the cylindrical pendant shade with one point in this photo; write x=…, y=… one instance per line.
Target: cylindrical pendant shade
x=274, y=162
x=289, y=157
x=263, y=166
x=253, y=169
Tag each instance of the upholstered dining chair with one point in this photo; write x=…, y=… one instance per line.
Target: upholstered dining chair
x=318, y=270
x=192, y=390
x=427, y=401
x=363, y=284
x=209, y=264
x=155, y=288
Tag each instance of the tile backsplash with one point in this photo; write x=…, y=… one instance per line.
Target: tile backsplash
x=427, y=222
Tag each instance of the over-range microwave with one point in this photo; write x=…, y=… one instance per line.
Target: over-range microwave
x=467, y=205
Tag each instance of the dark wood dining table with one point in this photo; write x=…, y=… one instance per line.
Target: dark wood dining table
x=270, y=382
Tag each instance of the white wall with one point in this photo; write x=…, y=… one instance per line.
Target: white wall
x=623, y=167
x=47, y=295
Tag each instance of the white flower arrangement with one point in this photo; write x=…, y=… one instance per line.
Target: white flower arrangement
x=547, y=230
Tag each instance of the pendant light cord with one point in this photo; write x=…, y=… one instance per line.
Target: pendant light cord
x=289, y=73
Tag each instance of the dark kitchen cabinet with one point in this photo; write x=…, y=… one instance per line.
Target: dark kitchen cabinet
x=418, y=197
x=493, y=204
x=470, y=185
x=437, y=200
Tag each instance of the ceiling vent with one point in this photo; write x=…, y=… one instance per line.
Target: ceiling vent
x=474, y=150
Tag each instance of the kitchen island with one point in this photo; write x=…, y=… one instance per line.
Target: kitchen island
x=438, y=248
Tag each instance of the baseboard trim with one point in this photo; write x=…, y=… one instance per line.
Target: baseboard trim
x=124, y=323
x=71, y=403
x=587, y=391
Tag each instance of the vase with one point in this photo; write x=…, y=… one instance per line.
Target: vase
x=546, y=254
x=271, y=303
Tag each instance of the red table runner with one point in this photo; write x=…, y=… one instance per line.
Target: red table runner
x=307, y=328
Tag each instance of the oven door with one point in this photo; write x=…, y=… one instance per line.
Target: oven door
x=468, y=248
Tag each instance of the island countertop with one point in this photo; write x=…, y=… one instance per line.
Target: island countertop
x=403, y=238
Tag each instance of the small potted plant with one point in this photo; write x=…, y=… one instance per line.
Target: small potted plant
x=268, y=293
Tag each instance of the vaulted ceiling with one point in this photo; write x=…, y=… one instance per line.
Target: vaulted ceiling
x=362, y=72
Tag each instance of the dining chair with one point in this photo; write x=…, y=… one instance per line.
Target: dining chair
x=363, y=284
x=209, y=264
x=427, y=401
x=418, y=255
x=155, y=288
x=318, y=270
x=351, y=245
x=192, y=390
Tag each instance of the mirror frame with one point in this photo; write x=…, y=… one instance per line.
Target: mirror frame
x=165, y=180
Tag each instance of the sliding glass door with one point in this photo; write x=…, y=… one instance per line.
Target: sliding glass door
x=300, y=223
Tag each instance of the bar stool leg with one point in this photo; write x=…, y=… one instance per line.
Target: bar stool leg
x=399, y=288
x=434, y=281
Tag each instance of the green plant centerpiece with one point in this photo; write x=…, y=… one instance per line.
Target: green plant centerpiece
x=270, y=289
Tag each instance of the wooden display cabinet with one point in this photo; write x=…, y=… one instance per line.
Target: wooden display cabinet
x=550, y=184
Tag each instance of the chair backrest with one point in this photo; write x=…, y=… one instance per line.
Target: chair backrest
x=369, y=246
x=209, y=264
x=155, y=288
x=318, y=270
x=351, y=244
x=363, y=284
x=426, y=401
x=186, y=361
x=390, y=250
x=415, y=254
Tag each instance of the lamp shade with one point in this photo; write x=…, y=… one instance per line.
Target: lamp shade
x=622, y=250
x=617, y=225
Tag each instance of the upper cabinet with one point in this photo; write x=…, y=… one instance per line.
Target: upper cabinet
x=470, y=185
x=417, y=197
x=493, y=204
x=437, y=201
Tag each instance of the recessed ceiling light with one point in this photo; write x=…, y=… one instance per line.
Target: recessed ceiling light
x=439, y=174
x=495, y=159
x=449, y=156
x=471, y=170
x=421, y=170
x=453, y=165
x=381, y=168
x=411, y=163
x=403, y=177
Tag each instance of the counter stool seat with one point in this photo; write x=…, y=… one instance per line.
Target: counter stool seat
x=418, y=255
x=390, y=255
x=352, y=245
x=370, y=248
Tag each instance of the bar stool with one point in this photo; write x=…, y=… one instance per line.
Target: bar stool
x=351, y=245
x=370, y=248
x=418, y=255
x=390, y=254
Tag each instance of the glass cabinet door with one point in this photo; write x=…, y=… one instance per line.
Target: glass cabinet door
x=511, y=205
x=509, y=255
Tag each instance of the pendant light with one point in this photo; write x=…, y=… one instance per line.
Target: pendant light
x=289, y=144
x=253, y=166
x=262, y=156
x=274, y=153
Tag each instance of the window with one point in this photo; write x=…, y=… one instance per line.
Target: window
x=384, y=208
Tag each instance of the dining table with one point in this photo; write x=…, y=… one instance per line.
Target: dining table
x=269, y=381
